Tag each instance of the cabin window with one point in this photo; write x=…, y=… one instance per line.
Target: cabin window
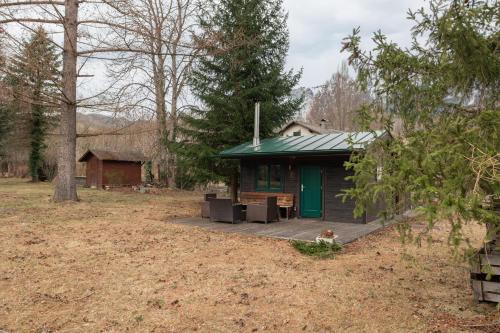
x=296, y=133
x=269, y=178
x=262, y=177
x=274, y=177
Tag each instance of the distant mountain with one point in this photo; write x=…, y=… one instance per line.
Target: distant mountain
x=99, y=120
x=306, y=106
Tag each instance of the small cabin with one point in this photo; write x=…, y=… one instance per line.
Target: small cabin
x=108, y=168
x=310, y=167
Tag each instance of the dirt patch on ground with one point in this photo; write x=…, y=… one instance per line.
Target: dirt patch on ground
x=114, y=263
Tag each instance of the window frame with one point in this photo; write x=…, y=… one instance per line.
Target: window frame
x=268, y=187
x=257, y=174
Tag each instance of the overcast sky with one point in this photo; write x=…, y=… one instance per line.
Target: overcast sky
x=317, y=28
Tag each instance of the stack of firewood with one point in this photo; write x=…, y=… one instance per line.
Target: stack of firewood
x=485, y=272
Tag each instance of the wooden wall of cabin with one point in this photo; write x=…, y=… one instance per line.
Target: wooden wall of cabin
x=92, y=172
x=247, y=175
x=121, y=173
x=333, y=181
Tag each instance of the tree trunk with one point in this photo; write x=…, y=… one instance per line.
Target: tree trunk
x=66, y=164
x=161, y=119
x=161, y=125
x=234, y=186
x=172, y=165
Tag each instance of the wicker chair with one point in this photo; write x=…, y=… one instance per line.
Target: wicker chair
x=223, y=210
x=205, y=205
x=266, y=212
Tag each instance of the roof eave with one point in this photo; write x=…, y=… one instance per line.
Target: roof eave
x=125, y=160
x=300, y=153
x=84, y=156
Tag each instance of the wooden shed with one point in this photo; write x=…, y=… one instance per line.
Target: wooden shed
x=310, y=167
x=112, y=168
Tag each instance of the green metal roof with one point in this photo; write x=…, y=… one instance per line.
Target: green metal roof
x=321, y=144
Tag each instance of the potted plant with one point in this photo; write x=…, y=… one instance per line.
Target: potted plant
x=327, y=236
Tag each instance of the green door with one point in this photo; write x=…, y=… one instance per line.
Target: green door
x=310, y=191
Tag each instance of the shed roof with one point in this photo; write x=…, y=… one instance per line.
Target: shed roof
x=106, y=155
x=322, y=144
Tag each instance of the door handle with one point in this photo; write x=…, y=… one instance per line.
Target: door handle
x=301, y=187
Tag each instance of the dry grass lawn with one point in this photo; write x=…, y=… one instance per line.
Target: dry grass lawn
x=114, y=263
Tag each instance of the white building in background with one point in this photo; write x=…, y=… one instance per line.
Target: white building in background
x=300, y=128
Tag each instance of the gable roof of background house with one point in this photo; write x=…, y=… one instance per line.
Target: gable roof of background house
x=313, y=128
x=106, y=155
x=321, y=144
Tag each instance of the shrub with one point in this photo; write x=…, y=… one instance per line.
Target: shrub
x=321, y=250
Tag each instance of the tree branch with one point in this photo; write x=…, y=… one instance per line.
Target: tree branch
x=31, y=3
x=30, y=20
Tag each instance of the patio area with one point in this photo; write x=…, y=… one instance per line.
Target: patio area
x=294, y=229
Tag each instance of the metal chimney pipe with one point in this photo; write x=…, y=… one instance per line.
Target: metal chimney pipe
x=256, y=134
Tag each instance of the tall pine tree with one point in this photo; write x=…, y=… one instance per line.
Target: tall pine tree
x=444, y=90
x=244, y=64
x=5, y=115
x=34, y=77
x=5, y=123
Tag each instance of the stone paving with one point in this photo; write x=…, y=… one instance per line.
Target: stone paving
x=296, y=229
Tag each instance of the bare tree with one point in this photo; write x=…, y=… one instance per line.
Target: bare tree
x=66, y=162
x=161, y=33
x=25, y=13
x=337, y=101
x=85, y=39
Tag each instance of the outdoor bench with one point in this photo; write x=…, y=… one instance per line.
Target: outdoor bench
x=284, y=200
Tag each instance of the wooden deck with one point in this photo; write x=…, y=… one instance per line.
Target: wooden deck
x=296, y=229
